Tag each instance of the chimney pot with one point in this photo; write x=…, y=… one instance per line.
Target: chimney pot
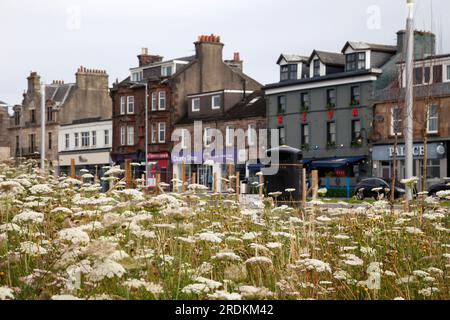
x=237, y=57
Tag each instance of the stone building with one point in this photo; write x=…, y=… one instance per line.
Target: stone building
x=431, y=118
x=64, y=103
x=171, y=84
x=4, y=137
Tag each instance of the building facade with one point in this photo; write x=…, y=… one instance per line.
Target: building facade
x=4, y=139
x=64, y=103
x=431, y=119
x=88, y=142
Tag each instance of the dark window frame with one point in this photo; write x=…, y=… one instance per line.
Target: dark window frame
x=281, y=105
x=355, y=134
x=316, y=68
x=282, y=139
x=355, y=97
x=305, y=137
x=331, y=136
x=304, y=103
x=331, y=99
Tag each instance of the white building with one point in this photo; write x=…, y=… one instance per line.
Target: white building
x=88, y=142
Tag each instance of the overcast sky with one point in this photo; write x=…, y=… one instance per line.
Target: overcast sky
x=55, y=37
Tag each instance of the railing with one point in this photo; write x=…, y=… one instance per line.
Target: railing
x=26, y=152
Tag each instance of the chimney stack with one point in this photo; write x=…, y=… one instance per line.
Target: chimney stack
x=236, y=63
x=34, y=82
x=146, y=59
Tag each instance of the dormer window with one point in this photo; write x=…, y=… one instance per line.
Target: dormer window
x=137, y=76
x=288, y=72
x=316, y=65
x=195, y=104
x=355, y=61
x=216, y=102
x=167, y=71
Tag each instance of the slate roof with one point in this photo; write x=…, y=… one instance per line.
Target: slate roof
x=329, y=58
x=359, y=45
x=292, y=58
x=59, y=93
x=435, y=90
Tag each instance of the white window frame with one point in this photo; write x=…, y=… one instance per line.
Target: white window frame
x=251, y=134
x=434, y=118
x=85, y=137
x=106, y=137
x=194, y=109
x=162, y=98
x=400, y=133
x=154, y=132
x=161, y=129
x=164, y=71
x=447, y=72
x=154, y=102
x=206, y=138
x=214, y=106
x=67, y=141
x=130, y=136
x=228, y=136
x=130, y=102
x=77, y=139
x=94, y=138
x=183, y=138
x=123, y=103
x=123, y=136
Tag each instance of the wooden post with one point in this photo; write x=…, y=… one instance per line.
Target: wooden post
x=237, y=187
x=72, y=169
x=194, y=178
x=128, y=175
x=183, y=176
x=215, y=183
x=174, y=183
x=304, y=188
x=315, y=184
x=158, y=182
x=230, y=174
x=261, y=186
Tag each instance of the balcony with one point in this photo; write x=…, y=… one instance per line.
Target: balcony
x=32, y=152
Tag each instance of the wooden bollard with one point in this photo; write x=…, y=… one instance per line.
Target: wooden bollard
x=158, y=182
x=194, y=178
x=237, y=187
x=315, y=184
x=261, y=185
x=304, y=188
x=128, y=174
x=72, y=169
x=215, y=183
x=183, y=176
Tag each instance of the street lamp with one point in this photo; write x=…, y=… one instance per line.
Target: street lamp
x=146, y=129
x=43, y=128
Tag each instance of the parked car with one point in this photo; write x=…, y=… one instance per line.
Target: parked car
x=433, y=190
x=365, y=189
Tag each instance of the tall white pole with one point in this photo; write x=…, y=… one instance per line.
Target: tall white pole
x=409, y=67
x=42, y=127
x=146, y=135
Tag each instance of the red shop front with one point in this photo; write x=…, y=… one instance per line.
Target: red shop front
x=159, y=163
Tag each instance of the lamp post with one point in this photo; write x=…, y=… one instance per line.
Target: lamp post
x=43, y=128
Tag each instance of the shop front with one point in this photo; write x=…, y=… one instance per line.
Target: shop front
x=437, y=161
x=92, y=160
x=159, y=164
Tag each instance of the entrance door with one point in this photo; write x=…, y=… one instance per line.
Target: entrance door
x=386, y=170
x=205, y=176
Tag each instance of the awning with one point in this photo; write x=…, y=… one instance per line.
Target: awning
x=336, y=162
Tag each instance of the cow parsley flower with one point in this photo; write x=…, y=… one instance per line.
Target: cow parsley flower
x=28, y=216
x=209, y=237
x=106, y=269
x=6, y=293
x=314, y=265
x=74, y=235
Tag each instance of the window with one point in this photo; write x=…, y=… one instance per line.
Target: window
x=49, y=114
x=123, y=135
x=229, y=136
x=122, y=105
x=153, y=133
x=106, y=137
x=433, y=119
x=85, y=137
x=293, y=72
x=207, y=137
x=361, y=60
x=282, y=140
x=162, y=132
x=17, y=118
x=195, y=104
x=396, y=121
x=50, y=141
x=331, y=133
x=304, y=98
x=94, y=138
x=356, y=130
x=427, y=75
x=167, y=71
x=437, y=74
x=216, y=102
x=33, y=116
x=350, y=60
x=32, y=143
x=305, y=134
x=355, y=95
x=433, y=169
x=130, y=136
x=418, y=76
x=67, y=138
x=284, y=73
x=448, y=72
x=162, y=100
x=316, y=64
x=137, y=76
x=154, y=101
x=130, y=102
x=77, y=141
x=17, y=145
x=184, y=136
x=251, y=134
x=331, y=97
x=281, y=104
